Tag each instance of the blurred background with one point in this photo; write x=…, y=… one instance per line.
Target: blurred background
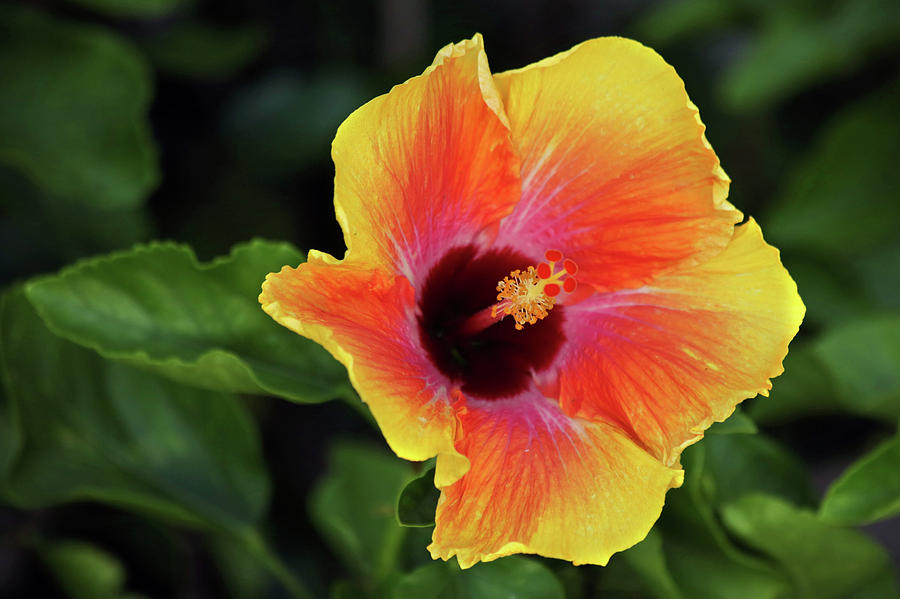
x=210, y=123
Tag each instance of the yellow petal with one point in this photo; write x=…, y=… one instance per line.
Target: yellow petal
x=543, y=483
x=666, y=360
x=616, y=171
x=426, y=167
x=366, y=320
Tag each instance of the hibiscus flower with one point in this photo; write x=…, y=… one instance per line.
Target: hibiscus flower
x=545, y=288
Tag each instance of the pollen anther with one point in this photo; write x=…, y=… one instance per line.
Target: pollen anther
x=529, y=295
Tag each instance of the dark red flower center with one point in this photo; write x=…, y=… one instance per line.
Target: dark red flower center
x=499, y=360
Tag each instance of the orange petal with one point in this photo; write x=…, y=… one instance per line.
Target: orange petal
x=616, y=171
x=541, y=482
x=366, y=319
x=666, y=360
x=426, y=167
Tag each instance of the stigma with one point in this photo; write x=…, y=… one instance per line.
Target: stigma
x=529, y=295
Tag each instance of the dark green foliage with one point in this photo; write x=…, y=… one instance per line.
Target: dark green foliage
x=88, y=428
x=134, y=464
x=353, y=507
x=737, y=423
x=869, y=490
x=203, y=51
x=517, y=577
x=822, y=561
x=134, y=8
x=840, y=199
x=284, y=120
x=85, y=571
x=157, y=308
x=73, y=110
x=863, y=358
x=418, y=500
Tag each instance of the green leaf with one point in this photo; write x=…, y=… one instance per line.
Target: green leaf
x=671, y=21
x=39, y=229
x=255, y=546
x=515, y=576
x=98, y=430
x=830, y=289
x=353, y=508
x=203, y=51
x=841, y=199
x=649, y=561
x=82, y=570
x=73, y=110
x=346, y=589
x=881, y=586
x=804, y=388
x=719, y=470
x=737, y=423
x=739, y=465
x=869, y=490
x=863, y=359
x=822, y=560
x=418, y=501
x=704, y=572
x=244, y=576
x=808, y=47
x=134, y=9
x=641, y=570
x=249, y=566
x=156, y=307
x=881, y=275
x=285, y=121
x=701, y=557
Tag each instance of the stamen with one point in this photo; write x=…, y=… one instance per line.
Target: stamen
x=553, y=255
x=528, y=296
